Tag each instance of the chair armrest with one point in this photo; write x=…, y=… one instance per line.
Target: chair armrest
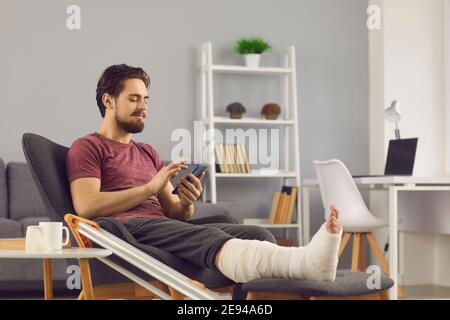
x=215, y=219
x=206, y=209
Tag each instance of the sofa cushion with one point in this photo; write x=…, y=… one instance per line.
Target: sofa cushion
x=347, y=283
x=10, y=229
x=3, y=192
x=23, y=197
x=206, y=209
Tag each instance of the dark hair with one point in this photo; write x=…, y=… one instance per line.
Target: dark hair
x=111, y=81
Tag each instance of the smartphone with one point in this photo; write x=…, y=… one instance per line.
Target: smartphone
x=197, y=171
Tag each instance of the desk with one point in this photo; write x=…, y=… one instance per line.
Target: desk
x=394, y=185
x=71, y=253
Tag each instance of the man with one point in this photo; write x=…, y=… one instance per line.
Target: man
x=112, y=175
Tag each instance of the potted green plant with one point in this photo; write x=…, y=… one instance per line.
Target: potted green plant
x=236, y=110
x=271, y=111
x=252, y=48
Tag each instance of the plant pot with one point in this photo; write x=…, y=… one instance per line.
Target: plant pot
x=271, y=116
x=252, y=60
x=235, y=115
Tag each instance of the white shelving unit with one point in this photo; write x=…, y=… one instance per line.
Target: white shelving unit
x=251, y=120
x=288, y=123
x=259, y=174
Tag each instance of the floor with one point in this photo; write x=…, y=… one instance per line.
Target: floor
x=37, y=293
x=63, y=295
x=426, y=292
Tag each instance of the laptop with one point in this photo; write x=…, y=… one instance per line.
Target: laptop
x=400, y=158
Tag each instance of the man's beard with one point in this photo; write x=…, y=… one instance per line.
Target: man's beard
x=129, y=126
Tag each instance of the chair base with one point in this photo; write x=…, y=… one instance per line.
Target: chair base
x=358, y=259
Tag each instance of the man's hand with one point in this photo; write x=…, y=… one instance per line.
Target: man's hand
x=164, y=175
x=188, y=192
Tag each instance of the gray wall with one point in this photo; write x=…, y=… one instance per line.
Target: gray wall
x=49, y=73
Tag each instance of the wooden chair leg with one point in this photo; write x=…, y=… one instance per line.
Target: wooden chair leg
x=384, y=264
x=179, y=296
x=378, y=253
x=48, y=286
x=384, y=295
x=126, y=290
x=362, y=258
x=344, y=242
x=355, y=254
x=86, y=280
x=81, y=295
x=142, y=293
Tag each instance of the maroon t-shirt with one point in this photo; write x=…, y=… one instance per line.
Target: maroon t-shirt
x=119, y=166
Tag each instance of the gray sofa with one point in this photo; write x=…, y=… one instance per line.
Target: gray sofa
x=21, y=206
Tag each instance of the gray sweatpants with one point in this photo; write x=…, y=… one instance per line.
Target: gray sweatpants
x=198, y=244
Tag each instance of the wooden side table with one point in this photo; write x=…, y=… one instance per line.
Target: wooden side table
x=15, y=249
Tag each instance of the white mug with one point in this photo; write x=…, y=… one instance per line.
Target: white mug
x=34, y=240
x=52, y=233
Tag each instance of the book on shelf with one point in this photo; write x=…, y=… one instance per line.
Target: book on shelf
x=218, y=150
x=226, y=159
x=236, y=159
x=285, y=209
x=245, y=159
x=291, y=205
x=283, y=204
x=231, y=158
x=273, y=209
x=239, y=159
x=282, y=207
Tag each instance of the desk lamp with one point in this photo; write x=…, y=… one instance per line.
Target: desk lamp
x=393, y=114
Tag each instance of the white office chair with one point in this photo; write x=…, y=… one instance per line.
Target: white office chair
x=338, y=188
